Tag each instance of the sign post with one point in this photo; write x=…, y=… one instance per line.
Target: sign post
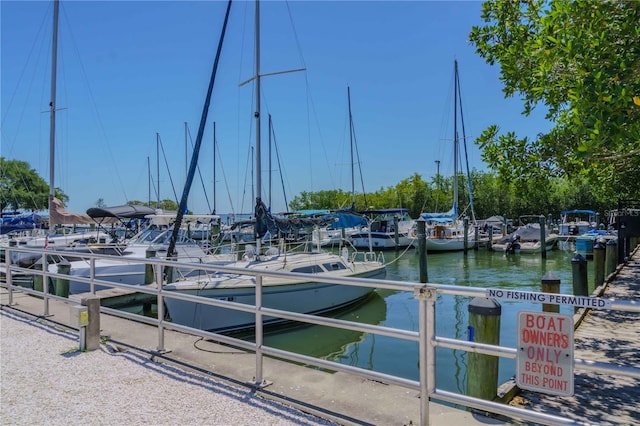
x=545, y=352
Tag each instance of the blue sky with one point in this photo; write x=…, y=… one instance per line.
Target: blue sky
x=129, y=71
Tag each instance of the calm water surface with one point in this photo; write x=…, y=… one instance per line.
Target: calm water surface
x=400, y=310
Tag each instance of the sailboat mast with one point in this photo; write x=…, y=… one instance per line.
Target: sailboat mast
x=353, y=184
x=158, y=168
x=215, y=145
x=455, y=137
x=257, y=114
x=52, y=106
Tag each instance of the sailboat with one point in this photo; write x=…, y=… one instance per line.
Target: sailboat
x=445, y=230
x=298, y=295
x=344, y=222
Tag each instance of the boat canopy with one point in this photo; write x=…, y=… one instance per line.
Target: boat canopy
x=128, y=211
x=337, y=219
x=568, y=212
x=345, y=219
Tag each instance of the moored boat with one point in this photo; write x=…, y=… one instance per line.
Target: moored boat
x=381, y=232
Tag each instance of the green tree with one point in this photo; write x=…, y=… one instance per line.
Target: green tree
x=580, y=60
x=22, y=188
x=327, y=199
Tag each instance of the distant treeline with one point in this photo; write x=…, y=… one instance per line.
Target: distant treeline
x=491, y=196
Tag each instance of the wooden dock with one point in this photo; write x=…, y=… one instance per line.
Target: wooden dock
x=603, y=336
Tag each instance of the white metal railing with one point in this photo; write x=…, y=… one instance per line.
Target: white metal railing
x=425, y=295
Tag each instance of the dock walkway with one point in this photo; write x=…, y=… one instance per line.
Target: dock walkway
x=127, y=382
x=603, y=336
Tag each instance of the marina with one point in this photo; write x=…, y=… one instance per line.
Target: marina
x=328, y=308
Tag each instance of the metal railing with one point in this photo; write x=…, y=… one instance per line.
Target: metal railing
x=424, y=294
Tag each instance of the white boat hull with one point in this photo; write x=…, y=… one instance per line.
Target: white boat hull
x=380, y=240
x=296, y=296
x=447, y=244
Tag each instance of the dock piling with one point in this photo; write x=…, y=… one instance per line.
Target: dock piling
x=599, y=253
x=148, y=267
x=422, y=249
x=611, y=257
x=484, y=327
x=579, y=269
x=543, y=238
x=550, y=284
x=62, y=284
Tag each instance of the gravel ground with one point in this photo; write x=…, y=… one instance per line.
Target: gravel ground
x=45, y=379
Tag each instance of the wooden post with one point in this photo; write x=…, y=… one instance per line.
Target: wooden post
x=599, y=248
x=579, y=269
x=395, y=230
x=490, y=242
x=466, y=234
x=543, y=238
x=550, y=284
x=476, y=239
x=37, y=278
x=611, y=257
x=422, y=249
x=93, y=329
x=62, y=284
x=484, y=327
x=149, y=274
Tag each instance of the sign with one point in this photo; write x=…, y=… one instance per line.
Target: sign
x=545, y=352
x=550, y=298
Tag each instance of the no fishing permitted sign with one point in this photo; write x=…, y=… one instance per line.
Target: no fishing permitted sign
x=545, y=352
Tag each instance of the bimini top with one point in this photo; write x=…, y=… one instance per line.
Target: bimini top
x=127, y=211
x=577, y=212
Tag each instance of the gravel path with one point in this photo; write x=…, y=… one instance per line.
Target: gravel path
x=45, y=379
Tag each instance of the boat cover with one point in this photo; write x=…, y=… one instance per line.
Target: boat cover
x=60, y=216
x=128, y=211
x=451, y=214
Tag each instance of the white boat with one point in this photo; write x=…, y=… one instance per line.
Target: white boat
x=300, y=295
x=448, y=236
x=129, y=266
x=577, y=222
x=381, y=232
x=306, y=296
x=526, y=239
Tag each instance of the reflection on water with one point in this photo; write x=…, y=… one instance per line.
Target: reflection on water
x=336, y=344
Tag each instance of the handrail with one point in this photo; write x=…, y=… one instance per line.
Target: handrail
x=425, y=294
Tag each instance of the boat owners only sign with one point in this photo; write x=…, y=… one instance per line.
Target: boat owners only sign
x=545, y=352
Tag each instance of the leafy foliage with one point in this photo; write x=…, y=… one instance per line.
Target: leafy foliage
x=22, y=188
x=580, y=59
x=492, y=195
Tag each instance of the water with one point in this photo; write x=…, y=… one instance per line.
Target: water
x=400, y=310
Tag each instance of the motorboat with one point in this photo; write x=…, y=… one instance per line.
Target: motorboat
x=303, y=295
x=381, y=232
